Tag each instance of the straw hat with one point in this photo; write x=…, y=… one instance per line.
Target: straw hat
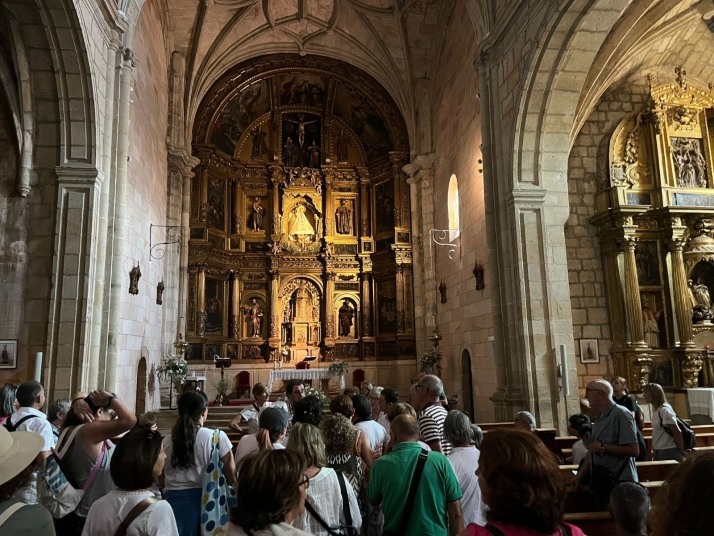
x=17, y=451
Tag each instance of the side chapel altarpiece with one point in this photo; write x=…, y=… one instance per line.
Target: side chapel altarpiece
x=655, y=218
x=300, y=240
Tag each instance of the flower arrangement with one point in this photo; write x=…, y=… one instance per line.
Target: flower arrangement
x=430, y=362
x=309, y=391
x=172, y=367
x=338, y=368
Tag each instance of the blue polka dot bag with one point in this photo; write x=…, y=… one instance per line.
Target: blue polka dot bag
x=217, y=496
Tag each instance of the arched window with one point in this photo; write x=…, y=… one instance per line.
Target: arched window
x=453, y=200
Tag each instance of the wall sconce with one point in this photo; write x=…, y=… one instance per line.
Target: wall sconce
x=134, y=276
x=442, y=291
x=160, y=292
x=479, y=275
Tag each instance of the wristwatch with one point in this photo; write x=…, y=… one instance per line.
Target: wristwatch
x=109, y=400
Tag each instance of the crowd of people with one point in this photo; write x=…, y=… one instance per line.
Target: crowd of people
x=372, y=466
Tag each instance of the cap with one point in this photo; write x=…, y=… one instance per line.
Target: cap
x=273, y=419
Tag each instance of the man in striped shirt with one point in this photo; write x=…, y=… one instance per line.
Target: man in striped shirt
x=432, y=414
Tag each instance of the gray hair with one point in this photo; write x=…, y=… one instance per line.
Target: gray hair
x=61, y=406
x=478, y=435
x=606, y=385
x=433, y=385
x=629, y=505
x=528, y=417
x=376, y=391
x=457, y=428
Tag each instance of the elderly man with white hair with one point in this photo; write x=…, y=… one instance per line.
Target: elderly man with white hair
x=613, y=446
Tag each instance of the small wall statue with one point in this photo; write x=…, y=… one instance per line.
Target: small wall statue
x=479, y=275
x=134, y=276
x=160, y=292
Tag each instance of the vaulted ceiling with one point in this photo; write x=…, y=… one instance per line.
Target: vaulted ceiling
x=395, y=41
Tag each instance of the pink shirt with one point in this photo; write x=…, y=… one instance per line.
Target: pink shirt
x=514, y=530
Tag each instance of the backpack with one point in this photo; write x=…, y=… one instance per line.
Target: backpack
x=54, y=490
x=13, y=427
x=688, y=436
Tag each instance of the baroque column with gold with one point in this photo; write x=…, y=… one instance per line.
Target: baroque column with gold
x=201, y=301
x=234, y=320
x=633, y=304
x=682, y=308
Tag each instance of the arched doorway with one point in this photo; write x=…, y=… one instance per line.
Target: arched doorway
x=467, y=383
x=141, y=386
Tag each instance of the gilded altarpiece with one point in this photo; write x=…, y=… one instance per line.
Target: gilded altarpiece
x=300, y=221
x=656, y=228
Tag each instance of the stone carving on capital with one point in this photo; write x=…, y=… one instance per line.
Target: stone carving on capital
x=129, y=57
x=627, y=243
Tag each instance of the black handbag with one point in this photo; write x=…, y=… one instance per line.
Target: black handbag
x=602, y=482
x=409, y=505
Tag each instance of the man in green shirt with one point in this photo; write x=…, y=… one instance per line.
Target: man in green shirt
x=437, y=507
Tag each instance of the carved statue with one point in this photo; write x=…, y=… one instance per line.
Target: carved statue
x=160, y=292
x=257, y=215
x=289, y=156
x=301, y=227
x=649, y=320
x=134, y=276
x=700, y=297
x=343, y=217
x=314, y=153
x=258, y=148
x=341, y=147
x=255, y=315
x=347, y=314
x=689, y=163
x=276, y=248
x=301, y=128
x=701, y=293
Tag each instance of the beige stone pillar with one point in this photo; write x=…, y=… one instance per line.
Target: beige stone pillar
x=201, y=301
x=680, y=294
x=633, y=304
x=234, y=319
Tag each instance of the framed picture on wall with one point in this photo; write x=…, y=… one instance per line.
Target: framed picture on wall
x=589, y=351
x=8, y=354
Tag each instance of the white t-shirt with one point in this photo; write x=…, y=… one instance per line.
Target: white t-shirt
x=376, y=434
x=382, y=419
x=579, y=451
x=325, y=497
x=660, y=439
x=464, y=461
x=252, y=413
x=38, y=424
x=180, y=478
x=249, y=444
x=107, y=513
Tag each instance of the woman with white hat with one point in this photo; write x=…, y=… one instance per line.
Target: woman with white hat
x=18, y=451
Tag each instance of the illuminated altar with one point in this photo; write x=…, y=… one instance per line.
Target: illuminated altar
x=300, y=240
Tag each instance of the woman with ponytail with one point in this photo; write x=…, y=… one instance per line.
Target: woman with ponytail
x=188, y=453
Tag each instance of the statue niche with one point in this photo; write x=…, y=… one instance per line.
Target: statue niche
x=301, y=226
x=301, y=328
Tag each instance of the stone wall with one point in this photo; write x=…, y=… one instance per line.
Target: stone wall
x=465, y=320
x=587, y=168
x=141, y=324
x=13, y=237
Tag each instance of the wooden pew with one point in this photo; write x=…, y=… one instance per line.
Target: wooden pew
x=647, y=471
x=703, y=439
x=593, y=523
x=565, y=442
x=583, y=501
x=486, y=426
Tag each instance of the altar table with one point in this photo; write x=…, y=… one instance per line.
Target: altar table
x=301, y=374
x=701, y=401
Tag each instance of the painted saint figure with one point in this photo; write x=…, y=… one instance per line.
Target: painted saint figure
x=289, y=153
x=314, y=153
x=346, y=314
x=341, y=147
x=258, y=148
x=343, y=216
x=257, y=215
x=255, y=316
x=649, y=319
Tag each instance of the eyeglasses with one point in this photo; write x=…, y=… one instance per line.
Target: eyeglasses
x=304, y=482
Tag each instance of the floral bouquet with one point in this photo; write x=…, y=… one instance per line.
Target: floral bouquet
x=172, y=367
x=430, y=362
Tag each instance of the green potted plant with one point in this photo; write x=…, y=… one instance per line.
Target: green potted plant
x=222, y=387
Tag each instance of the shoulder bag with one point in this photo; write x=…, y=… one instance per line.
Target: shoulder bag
x=602, y=482
x=409, y=505
x=217, y=496
x=346, y=530
x=134, y=513
x=689, y=438
x=7, y=514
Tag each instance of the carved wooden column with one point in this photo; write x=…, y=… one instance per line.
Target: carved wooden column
x=274, y=225
x=329, y=308
x=234, y=320
x=274, y=327
x=236, y=219
x=365, y=227
x=400, y=298
x=682, y=308
x=401, y=193
x=329, y=207
x=366, y=299
x=633, y=304
x=203, y=204
x=201, y=301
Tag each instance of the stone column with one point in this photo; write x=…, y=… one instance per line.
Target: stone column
x=201, y=301
x=682, y=308
x=234, y=319
x=633, y=305
x=119, y=278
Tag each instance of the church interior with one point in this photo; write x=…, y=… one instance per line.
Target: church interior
x=518, y=196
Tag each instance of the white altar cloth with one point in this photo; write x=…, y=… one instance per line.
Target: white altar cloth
x=701, y=401
x=301, y=374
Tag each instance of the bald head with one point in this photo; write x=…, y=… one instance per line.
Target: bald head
x=433, y=385
x=599, y=394
x=404, y=428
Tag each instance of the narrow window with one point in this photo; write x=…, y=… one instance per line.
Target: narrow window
x=454, y=220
